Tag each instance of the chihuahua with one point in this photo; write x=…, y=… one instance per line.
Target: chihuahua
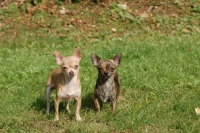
x=66, y=82
x=107, y=85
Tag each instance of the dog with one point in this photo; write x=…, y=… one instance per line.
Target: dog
x=107, y=87
x=66, y=82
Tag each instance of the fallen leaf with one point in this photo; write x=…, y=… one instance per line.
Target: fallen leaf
x=158, y=25
x=153, y=19
x=197, y=110
x=45, y=1
x=63, y=10
x=77, y=38
x=152, y=26
x=54, y=6
x=114, y=30
x=144, y=15
x=185, y=31
x=42, y=8
x=31, y=9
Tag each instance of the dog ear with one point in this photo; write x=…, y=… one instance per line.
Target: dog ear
x=77, y=53
x=59, y=57
x=117, y=59
x=95, y=59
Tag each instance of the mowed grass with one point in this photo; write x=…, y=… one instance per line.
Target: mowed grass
x=159, y=84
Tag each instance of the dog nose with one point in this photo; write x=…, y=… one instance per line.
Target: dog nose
x=105, y=73
x=71, y=73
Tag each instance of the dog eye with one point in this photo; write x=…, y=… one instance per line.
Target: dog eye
x=112, y=69
x=100, y=69
x=76, y=66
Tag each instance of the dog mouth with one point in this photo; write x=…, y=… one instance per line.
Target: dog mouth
x=70, y=73
x=106, y=76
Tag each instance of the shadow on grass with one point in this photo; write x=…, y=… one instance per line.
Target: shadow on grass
x=40, y=104
x=87, y=102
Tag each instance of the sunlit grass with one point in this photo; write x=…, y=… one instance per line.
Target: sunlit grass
x=159, y=85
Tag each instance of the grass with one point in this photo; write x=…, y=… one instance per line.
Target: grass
x=159, y=76
x=159, y=86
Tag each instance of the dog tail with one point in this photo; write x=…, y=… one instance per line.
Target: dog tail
x=49, y=88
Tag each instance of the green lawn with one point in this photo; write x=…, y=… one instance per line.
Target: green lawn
x=159, y=75
x=159, y=86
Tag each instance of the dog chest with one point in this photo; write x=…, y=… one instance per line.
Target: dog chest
x=106, y=92
x=67, y=91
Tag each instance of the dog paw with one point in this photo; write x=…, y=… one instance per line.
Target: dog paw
x=78, y=119
x=68, y=111
x=47, y=113
x=56, y=119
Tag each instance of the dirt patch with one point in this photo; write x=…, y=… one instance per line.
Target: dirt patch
x=85, y=18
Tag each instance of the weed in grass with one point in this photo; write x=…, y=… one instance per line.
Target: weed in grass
x=197, y=9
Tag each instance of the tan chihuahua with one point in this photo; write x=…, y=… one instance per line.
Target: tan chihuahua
x=66, y=82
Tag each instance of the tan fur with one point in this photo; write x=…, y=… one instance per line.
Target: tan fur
x=65, y=81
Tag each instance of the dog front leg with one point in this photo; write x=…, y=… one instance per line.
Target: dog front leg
x=78, y=107
x=114, y=105
x=56, y=102
x=96, y=104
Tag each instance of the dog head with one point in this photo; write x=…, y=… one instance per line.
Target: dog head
x=106, y=68
x=69, y=64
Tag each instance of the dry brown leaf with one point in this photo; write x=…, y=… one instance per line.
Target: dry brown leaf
x=144, y=15
x=54, y=7
x=31, y=9
x=154, y=19
x=45, y=1
x=42, y=8
x=158, y=25
x=19, y=2
x=185, y=31
x=77, y=38
x=152, y=26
